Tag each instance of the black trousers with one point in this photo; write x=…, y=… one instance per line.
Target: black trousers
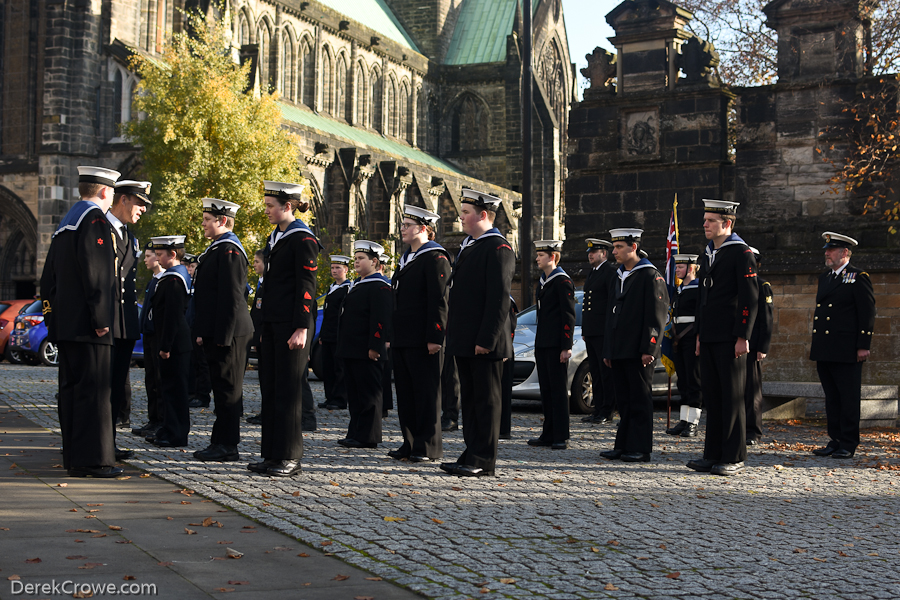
x=753, y=397
x=506, y=398
x=480, y=398
x=842, y=383
x=387, y=402
x=604, y=388
x=723, y=378
x=281, y=384
x=365, y=394
x=173, y=374
x=120, y=382
x=308, y=419
x=156, y=412
x=417, y=375
x=634, y=395
x=200, y=382
x=226, y=366
x=554, y=394
x=85, y=412
x=449, y=389
x=687, y=367
x=333, y=376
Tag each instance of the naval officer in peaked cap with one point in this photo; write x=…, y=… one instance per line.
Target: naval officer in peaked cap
x=841, y=338
x=594, y=311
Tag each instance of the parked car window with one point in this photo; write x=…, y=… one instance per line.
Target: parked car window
x=34, y=307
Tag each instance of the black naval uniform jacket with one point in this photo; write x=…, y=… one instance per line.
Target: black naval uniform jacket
x=331, y=311
x=292, y=299
x=220, y=282
x=77, y=284
x=844, y=317
x=365, y=322
x=595, y=303
x=127, y=324
x=684, y=306
x=555, y=311
x=640, y=306
x=420, y=302
x=761, y=337
x=170, y=301
x=478, y=312
x=729, y=293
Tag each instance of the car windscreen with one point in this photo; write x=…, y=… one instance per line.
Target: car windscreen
x=33, y=308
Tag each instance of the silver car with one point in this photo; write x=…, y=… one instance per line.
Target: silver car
x=581, y=395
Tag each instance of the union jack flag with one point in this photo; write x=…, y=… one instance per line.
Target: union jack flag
x=671, y=251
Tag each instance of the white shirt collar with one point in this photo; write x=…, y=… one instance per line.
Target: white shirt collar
x=116, y=223
x=601, y=264
x=843, y=266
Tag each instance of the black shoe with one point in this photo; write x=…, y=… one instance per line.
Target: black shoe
x=323, y=404
x=701, y=464
x=614, y=454
x=219, y=452
x=677, y=428
x=416, y=458
x=505, y=436
x=255, y=419
x=636, y=457
x=309, y=427
x=124, y=454
x=148, y=429
x=349, y=443
x=449, y=467
x=198, y=403
x=590, y=419
x=396, y=454
x=261, y=466
x=330, y=406
x=826, y=451
x=727, y=468
x=449, y=426
x=284, y=468
x=559, y=445
x=123, y=425
x=164, y=443
x=752, y=442
x=103, y=472
x=689, y=431
x=842, y=453
x=538, y=442
x=470, y=471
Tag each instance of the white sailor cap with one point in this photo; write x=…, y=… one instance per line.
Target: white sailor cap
x=686, y=259
x=141, y=189
x=548, y=245
x=420, y=215
x=753, y=250
x=284, y=191
x=597, y=244
x=482, y=199
x=98, y=175
x=836, y=240
x=626, y=235
x=371, y=248
x=220, y=208
x=721, y=207
x=340, y=259
x=384, y=259
x=189, y=259
x=167, y=242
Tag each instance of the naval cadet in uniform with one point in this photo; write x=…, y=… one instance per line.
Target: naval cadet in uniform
x=333, y=367
x=222, y=325
x=288, y=329
x=760, y=340
x=841, y=340
x=684, y=342
x=259, y=267
x=729, y=296
x=155, y=409
x=639, y=305
x=553, y=343
x=478, y=330
x=420, y=321
x=78, y=292
x=594, y=311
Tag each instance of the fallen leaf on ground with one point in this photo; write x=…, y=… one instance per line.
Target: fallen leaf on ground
x=165, y=563
x=361, y=597
x=674, y=575
x=33, y=560
x=799, y=551
x=611, y=483
x=115, y=527
x=662, y=546
x=613, y=542
x=145, y=475
x=593, y=549
x=238, y=582
x=610, y=587
x=73, y=510
x=352, y=495
x=438, y=521
x=185, y=502
x=266, y=496
x=373, y=579
x=781, y=523
x=95, y=504
x=129, y=578
x=303, y=555
x=76, y=557
x=819, y=559
x=62, y=485
x=83, y=594
x=394, y=519
x=507, y=580
x=334, y=483
x=340, y=577
x=189, y=531
x=295, y=494
x=224, y=589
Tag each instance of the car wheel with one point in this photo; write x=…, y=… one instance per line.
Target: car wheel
x=315, y=360
x=49, y=353
x=13, y=356
x=582, y=397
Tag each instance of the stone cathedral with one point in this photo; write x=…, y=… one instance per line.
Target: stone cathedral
x=394, y=101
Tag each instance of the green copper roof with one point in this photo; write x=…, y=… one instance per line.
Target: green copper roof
x=376, y=15
x=481, y=30
x=363, y=138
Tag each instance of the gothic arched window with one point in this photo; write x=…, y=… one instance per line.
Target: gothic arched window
x=340, y=88
x=468, y=129
x=306, y=74
x=362, y=94
x=376, y=85
x=327, y=81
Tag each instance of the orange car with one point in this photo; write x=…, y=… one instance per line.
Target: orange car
x=9, y=309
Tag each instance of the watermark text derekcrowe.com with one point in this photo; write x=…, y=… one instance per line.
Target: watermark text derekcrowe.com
x=70, y=588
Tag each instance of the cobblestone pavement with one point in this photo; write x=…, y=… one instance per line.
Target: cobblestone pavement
x=559, y=524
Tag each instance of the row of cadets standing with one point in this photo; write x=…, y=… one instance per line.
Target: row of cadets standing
x=77, y=293
x=173, y=340
x=684, y=343
x=595, y=306
x=478, y=330
x=288, y=328
x=553, y=343
x=420, y=322
x=222, y=325
x=363, y=329
x=334, y=376
x=634, y=327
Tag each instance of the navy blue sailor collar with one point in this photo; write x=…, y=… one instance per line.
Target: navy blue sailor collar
x=72, y=220
x=181, y=272
x=226, y=238
x=410, y=256
x=295, y=226
x=336, y=286
x=469, y=240
x=374, y=277
x=557, y=272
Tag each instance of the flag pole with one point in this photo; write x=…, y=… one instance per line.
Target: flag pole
x=669, y=396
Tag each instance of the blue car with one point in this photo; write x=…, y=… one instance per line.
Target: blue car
x=29, y=337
